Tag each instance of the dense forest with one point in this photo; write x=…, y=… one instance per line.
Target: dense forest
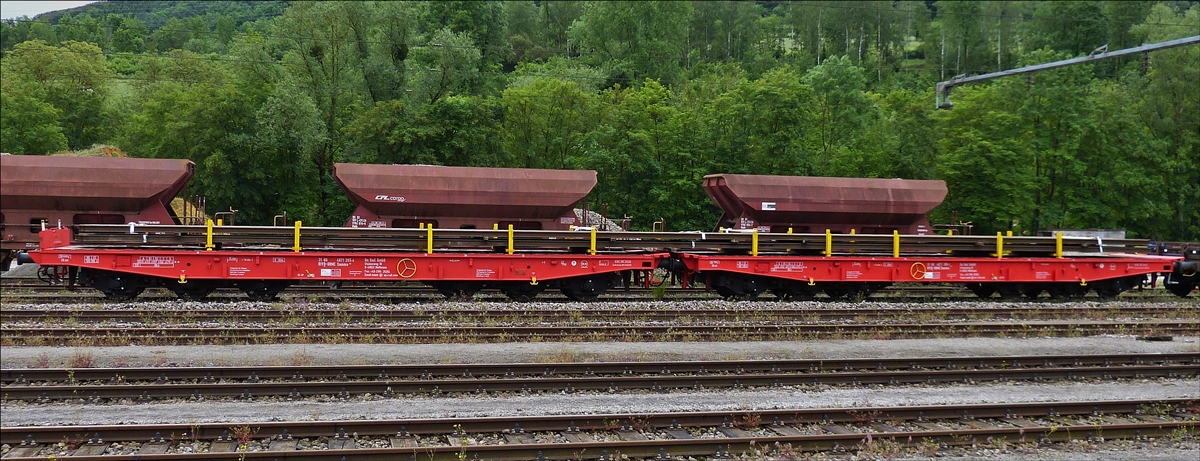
x=266, y=96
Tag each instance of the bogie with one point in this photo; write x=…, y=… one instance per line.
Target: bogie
x=192, y=290
x=116, y=286
x=587, y=288
x=521, y=291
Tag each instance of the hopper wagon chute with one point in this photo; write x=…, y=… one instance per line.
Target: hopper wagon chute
x=808, y=204
x=451, y=197
x=65, y=191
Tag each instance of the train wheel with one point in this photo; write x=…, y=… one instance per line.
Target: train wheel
x=457, y=291
x=586, y=288
x=1110, y=289
x=115, y=286
x=982, y=290
x=263, y=290
x=191, y=291
x=1181, y=290
x=1180, y=286
x=521, y=292
x=735, y=287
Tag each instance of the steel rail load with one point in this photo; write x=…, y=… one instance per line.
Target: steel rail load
x=121, y=260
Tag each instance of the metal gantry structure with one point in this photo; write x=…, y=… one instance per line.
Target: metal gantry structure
x=1100, y=54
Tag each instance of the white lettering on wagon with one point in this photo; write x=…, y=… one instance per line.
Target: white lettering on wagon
x=622, y=263
x=154, y=261
x=788, y=266
x=389, y=198
x=334, y=262
x=64, y=258
x=331, y=272
x=91, y=259
x=484, y=273
x=967, y=271
x=375, y=263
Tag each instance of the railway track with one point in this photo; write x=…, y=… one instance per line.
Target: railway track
x=315, y=315
x=17, y=289
x=871, y=431
x=345, y=382
x=451, y=333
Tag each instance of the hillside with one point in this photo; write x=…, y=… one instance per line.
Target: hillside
x=156, y=13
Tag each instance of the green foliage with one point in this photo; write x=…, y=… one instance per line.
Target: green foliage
x=74, y=79
x=28, y=124
x=545, y=121
x=634, y=40
x=157, y=13
x=455, y=130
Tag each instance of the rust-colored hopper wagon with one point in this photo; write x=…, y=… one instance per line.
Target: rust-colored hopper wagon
x=451, y=197
x=64, y=191
x=808, y=204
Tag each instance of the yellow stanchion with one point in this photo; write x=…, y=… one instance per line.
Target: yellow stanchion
x=296, y=244
x=754, y=243
x=429, y=240
x=592, y=250
x=1058, y=253
x=895, y=244
x=208, y=245
x=999, y=245
x=828, y=243
x=510, y=240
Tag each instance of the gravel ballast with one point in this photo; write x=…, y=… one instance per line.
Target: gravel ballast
x=372, y=354
x=590, y=403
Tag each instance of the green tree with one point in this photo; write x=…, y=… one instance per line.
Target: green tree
x=987, y=169
x=28, y=124
x=909, y=146
x=130, y=36
x=1088, y=28
x=630, y=148
x=484, y=21
x=634, y=40
x=764, y=126
x=324, y=65
x=455, y=130
x=1170, y=107
x=842, y=110
x=545, y=121
x=74, y=79
x=452, y=63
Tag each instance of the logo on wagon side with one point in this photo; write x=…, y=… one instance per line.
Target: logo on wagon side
x=389, y=198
